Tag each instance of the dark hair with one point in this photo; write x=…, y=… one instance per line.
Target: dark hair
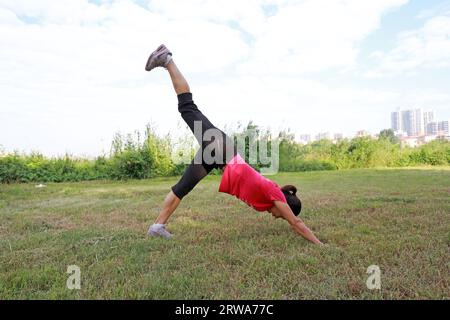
x=292, y=200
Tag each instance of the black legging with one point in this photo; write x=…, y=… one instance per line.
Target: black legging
x=199, y=166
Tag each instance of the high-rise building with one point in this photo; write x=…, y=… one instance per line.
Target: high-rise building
x=338, y=136
x=428, y=116
x=432, y=128
x=443, y=127
x=412, y=121
x=419, y=128
x=407, y=121
x=396, y=121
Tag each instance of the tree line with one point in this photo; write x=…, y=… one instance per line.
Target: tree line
x=136, y=156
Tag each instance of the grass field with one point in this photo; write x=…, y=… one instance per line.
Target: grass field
x=398, y=219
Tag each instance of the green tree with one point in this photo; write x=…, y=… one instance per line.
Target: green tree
x=388, y=134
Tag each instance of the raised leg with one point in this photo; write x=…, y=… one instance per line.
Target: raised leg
x=179, y=82
x=195, y=171
x=191, y=177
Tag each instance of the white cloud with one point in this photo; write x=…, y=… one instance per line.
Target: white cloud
x=425, y=48
x=9, y=18
x=315, y=35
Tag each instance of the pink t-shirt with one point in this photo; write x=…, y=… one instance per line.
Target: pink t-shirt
x=248, y=185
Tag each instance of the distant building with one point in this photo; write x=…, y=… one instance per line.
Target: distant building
x=439, y=128
x=323, y=136
x=427, y=138
x=396, y=121
x=338, y=136
x=400, y=133
x=362, y=133
x=428, y=117
x=420, y=123
x=305, y=138
x=432, y=128
x=420, y=140
x=443, y=128
x=415, y=122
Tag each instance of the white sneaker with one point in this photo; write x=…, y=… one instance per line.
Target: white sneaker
x=159, y=230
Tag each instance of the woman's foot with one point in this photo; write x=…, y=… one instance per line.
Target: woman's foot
x=159, y=230
x=159, y=58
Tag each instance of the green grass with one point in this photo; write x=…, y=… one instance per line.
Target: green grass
x=398, y=219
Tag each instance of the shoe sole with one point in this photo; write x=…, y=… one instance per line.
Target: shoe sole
x=155, y=234
x=154, y=55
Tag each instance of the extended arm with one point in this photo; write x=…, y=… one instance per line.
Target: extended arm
x=282, y=210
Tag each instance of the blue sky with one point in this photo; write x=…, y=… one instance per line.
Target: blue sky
x=409, y=17
x=71, y=71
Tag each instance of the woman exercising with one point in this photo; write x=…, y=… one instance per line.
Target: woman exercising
x=217, y=151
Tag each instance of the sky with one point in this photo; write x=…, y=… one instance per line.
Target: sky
x=72, y=71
